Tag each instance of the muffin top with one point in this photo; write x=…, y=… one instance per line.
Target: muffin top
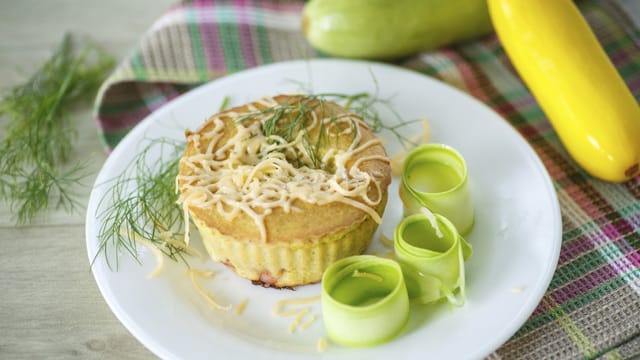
x=283, y=169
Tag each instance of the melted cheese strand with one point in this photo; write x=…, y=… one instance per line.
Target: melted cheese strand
x=277, y=308
x=156, y=252
x=296, y=321
x=308, y=323
x=287, y=313
x=208, y=274
x=204, y=293
x=322, y=345
x=241, y=306
x=187, y=224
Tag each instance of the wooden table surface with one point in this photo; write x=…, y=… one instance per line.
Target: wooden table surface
x=50, y=306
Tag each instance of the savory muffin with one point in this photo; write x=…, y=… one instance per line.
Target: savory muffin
x=282, y=187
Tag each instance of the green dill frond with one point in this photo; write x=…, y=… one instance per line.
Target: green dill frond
x=225, y=104
x=141, y=202
x=39, y=135
x=286, y=120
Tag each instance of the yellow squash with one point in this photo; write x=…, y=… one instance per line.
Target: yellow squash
x=577, y=86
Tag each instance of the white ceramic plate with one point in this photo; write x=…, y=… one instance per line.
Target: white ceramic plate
x=516, y=237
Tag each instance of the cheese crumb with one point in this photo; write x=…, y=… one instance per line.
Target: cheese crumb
x=193, y=273
x=156, y=252
x=308, y=322
x=321, y=345
x=277, y=308
x=241, y=306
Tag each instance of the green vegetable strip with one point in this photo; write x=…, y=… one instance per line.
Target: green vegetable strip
x=364, y=300
x=454, y=200
x=433, y=266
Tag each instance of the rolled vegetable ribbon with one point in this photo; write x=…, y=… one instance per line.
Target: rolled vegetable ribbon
x=364, y=300
x=435, y=176
x=431, y=253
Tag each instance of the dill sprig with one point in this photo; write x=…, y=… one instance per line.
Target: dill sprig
x=366, y=105
x=141, y=202
x=39, y=134
x=285, y=120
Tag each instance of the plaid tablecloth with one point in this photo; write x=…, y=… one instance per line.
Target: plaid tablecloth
x=592, y=307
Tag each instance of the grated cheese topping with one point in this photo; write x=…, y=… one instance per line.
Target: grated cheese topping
x=250, y=172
